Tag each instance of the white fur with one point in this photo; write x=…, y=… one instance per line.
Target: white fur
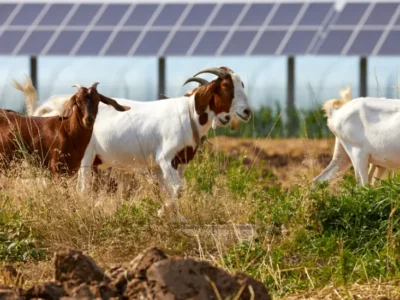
x=365, y=130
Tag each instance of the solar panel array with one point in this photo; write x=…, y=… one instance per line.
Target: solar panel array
x=274, y=28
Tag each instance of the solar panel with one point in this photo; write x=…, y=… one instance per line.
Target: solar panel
x=352, y=13
x=5, y=11
x=256, y=14
x=391, y=46
x=198, y=14
x=227, y=14
x=113, y=14
x=27, y=14
x=36, y=41
x=84, y=14
x=169, y=14
x=381, y=13
x=122, y=42
x=9, y=40
x=269, y=42
x=151, y=43
x=210, y=42
x=56, y=14
x=239, y=42
x=65, y=42
x=286, y=14
x=181, y=42
x=334, y=42
x=315, y=13
x=365, y=42
x=205, y=28
x=299, y=42
x=94, y=42
x=141, y=14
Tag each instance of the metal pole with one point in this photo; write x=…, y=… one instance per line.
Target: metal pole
x=363, y=76
x=33, y=71
x=290, y=82
x=161, y=77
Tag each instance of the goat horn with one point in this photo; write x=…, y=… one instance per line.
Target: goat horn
x=78, y=86
x=216, y=71
x=201, y=81
x=94, y=85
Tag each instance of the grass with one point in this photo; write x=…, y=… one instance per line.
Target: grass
x=342, y=237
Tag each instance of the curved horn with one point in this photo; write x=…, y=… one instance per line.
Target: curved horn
x=216, y=71
x=78, y=86
x=94, y=85
x=201, y=81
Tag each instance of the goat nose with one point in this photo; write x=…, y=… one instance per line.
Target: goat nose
x=247, y=112
x=228, y=118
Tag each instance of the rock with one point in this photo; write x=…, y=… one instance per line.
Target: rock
x=8, y=294
x=47, y=291
x=259, y=289
x=139, y=265
x=74, y=265
x=187, y=279
x=118, y=276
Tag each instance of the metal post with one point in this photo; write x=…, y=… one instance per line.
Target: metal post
x=363, y=76
x=33, y=71
x=161, y=77
x=290, y=82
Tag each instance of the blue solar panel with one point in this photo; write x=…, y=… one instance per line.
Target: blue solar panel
x=113, y=14
x=227, y=14
x=256, y=14
x=5, y=11
x=27, y=14
x=269, y=42
x=286, y=14
x=181, y=42
x=381, y=13
x=36, y=42
x=122, y=42
x=56, y=14
x=94, y=42
x=169, y=15
x=239, y=42
x=210, y=42
x=10, y=39
x=299, y=42
x=198, y=14
x=141, y=14
x=391, y=46
x=365, y=42
x=334, y=42
x=352, y=13
x=84, y=14
x=65, y=42
x=315, y=13
x=151, y=43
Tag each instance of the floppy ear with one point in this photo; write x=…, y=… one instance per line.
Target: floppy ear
x=69, y=107
x=113, y=103
x=203, y=97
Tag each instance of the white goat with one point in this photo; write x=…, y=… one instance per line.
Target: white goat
x=365, y=129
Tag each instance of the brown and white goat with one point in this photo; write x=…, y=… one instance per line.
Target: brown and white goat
x=59, y=142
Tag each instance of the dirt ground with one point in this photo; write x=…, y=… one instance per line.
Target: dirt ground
x=287, y=159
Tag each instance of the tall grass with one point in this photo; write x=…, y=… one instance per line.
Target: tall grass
x=305, y=239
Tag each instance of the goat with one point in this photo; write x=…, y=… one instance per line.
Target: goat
x=365, y=131
x=60, y=142
x=164, y=134
x=341, y=161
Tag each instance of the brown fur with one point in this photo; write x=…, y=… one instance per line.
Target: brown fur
x=59, y=142
x=183, y=157
x=203, y=119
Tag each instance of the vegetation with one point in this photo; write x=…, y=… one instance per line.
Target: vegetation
x=306, y=239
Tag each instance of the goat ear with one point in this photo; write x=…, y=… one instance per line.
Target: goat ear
x=113, y=103
x=203, y=97
x=69, y=107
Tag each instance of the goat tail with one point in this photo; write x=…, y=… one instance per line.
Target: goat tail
x=329, y=106
x=29, y=92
